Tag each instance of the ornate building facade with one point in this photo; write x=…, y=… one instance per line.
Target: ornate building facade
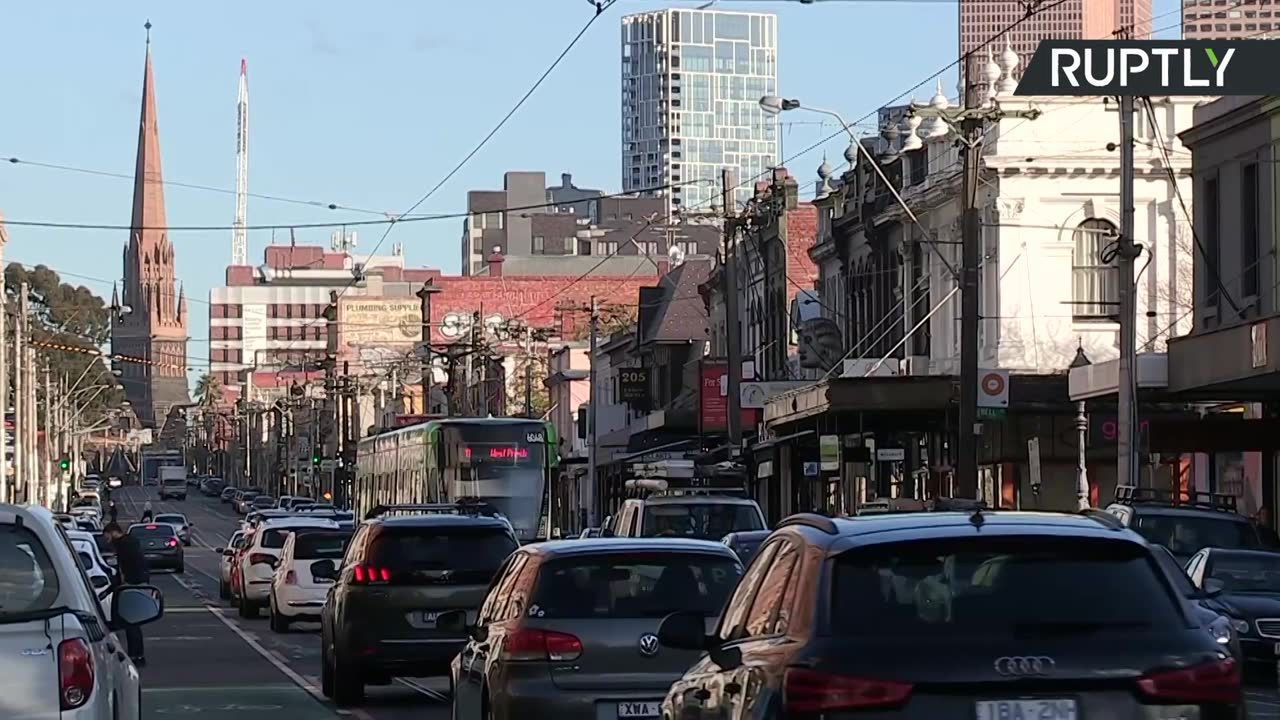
x=151, y=329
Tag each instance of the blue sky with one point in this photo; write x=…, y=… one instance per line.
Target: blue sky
x=368, y=105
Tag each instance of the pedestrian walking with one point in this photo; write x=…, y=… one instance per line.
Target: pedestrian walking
x=113, y=512
x=146, y=512
x=131, y=570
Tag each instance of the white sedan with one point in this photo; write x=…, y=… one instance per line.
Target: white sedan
x=100, y=574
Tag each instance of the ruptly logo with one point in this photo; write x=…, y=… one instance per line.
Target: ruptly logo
x=648, y=644
x=1151, y=67
x=1024, y=666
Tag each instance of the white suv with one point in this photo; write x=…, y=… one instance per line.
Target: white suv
x=259, y=556
x=58, y=656
x=306, y=570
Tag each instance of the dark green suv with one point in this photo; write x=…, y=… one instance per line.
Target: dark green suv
x=404, y=567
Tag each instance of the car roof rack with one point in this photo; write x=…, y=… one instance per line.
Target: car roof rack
x=887, y=506
x=466, y=506
x=1103, y=517
x=811, y=520
x=1197, y=499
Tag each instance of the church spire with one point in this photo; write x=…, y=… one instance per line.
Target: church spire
x=148, y=220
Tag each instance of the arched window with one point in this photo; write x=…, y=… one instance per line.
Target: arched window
x=1095, y=288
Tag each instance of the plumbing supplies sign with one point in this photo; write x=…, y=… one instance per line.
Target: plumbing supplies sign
x=1152, y=67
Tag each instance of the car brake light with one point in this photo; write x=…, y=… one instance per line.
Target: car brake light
x=172, y=543
x=1213, y=682
x=75, y=673
x=261, y=559
x=151, y=527
x=811, y=692
x=291, y=578
x=363, y=574
x=533, y=644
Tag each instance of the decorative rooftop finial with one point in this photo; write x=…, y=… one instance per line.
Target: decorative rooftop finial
x=1008, y=66
x=991, y=73
x=148, y=27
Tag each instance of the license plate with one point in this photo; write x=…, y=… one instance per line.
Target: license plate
x=639, y=709
x=1045, y=709
x=324, y=581
x=431, y=617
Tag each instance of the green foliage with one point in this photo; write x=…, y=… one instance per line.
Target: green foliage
x=70, y=315
x=538, y=395
x=208, y=390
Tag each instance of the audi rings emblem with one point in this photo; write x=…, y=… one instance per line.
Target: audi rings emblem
x=1024, y=666
x=648, y=644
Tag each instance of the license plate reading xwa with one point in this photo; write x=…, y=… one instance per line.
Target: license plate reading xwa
x=649, y=709
x=1026, y=710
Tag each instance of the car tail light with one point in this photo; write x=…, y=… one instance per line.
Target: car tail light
x=1214, y=682
x=812, y=692
x=75, y=673
x=172, y=543
x=151, y=527
x=368, y=574
x=532, y=644
x=291, y=578
x=261, y=559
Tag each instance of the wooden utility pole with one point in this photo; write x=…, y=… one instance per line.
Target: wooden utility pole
x=424, y=354
x=589, y=496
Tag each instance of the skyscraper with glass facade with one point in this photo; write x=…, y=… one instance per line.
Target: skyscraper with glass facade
x=691, y=86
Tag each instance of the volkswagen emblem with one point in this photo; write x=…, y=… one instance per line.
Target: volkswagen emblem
x=648, y=644
x=1024, y=666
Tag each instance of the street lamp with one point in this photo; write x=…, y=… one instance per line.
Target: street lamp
x=1082, y=437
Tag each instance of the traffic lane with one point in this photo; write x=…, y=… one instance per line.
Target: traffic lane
x=298, y=649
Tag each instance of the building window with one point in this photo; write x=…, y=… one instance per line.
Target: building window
x=1249, y=248
x=539, y=244
x=606, y=247
x=1212, y=222
x=1095, y=291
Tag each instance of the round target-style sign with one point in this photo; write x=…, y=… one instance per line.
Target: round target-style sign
x=993, y=384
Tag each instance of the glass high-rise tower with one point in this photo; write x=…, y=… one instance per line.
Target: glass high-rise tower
x=691, y=86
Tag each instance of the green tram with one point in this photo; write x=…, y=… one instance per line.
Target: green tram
x=506, y=462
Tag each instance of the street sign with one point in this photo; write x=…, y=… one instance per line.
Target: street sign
x=993, y=388
x=328, y=465
x=1033, y=461
x=992, y=413
x=811, y=469
x=891, y=454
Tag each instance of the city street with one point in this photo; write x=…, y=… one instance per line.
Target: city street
x=204, y=659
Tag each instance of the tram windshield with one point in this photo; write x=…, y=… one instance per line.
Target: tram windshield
x=504, y=465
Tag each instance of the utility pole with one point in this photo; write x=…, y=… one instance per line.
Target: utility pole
x=50, y=435
x=733, y=328
x=528, y=374
x=328, y=424
x=5, y=495
x=971, y=120
x=1127, y=252
x=32, y=435
x=19, y=399
x=589, y=497
x=428, y=371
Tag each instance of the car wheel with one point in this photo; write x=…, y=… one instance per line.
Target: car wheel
x=279, y=623
x=224, y=592
x=248, y=609
x=326, y=669
x=348, y=685
x=182, y=567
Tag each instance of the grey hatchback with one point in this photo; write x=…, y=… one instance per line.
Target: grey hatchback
x=569, y=628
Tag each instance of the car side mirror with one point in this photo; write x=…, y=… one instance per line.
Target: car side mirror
x=684, y=630
x=136, y=605
x=1213, y=587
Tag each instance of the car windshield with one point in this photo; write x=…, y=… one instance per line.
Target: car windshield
x=320, y=545
x=1021, y=586
x=263, y=502
x=706, y=520
x=28, y=580
x=173, y=519
x=151, y=531
x=649, y=585
x=273, y=538
x=472, y=554
x=1187, y=535
x=1246, y=573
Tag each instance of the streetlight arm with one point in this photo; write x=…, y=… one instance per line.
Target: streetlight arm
x=839, y=119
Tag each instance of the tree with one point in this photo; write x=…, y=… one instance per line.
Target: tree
x=208, y=390
x=64, y=315
x=533, y=369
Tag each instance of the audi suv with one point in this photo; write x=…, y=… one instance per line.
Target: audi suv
x=973, y=614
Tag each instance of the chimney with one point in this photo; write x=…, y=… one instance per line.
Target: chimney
x=566, y=180
x=494, y=261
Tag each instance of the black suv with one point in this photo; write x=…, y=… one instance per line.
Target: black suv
x=1018, y=614
x=1186, y=522
x=404, y=567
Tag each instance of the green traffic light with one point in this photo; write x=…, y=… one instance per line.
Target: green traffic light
x=64, y=464
x=315, y=459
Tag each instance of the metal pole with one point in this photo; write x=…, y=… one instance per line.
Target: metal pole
x=528, y=382
x=728, y=182
x=1082, y=470
x=1126, y=440
x=971, y=259
x=4, y=381
x=589, y=496
x=19, y=398
x=428, y=372
x=50, y=438
x=31, y=435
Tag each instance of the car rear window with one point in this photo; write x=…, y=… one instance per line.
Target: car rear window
x=273, y=538
x=320, y=545
x=707, y=521
x=263, y=501
x=175, y=481
x=151, y=531
x=1242, y=573
x=634, y=585
x=171, y=519
x=28, y=580
x=1189, y=534
x=1010, y=585
x=471, y=555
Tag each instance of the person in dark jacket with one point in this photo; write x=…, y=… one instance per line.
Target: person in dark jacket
x=131, y=569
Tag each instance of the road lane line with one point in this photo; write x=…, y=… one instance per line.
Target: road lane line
x=433, y=694
x=275, y=661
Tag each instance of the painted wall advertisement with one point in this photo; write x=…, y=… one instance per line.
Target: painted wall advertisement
x=369, y=329
x=713, y=400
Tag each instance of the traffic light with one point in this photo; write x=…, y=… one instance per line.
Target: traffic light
x=315, y=459
x=64, y=464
